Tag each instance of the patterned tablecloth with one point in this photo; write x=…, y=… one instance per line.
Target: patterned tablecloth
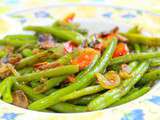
x=17, y=5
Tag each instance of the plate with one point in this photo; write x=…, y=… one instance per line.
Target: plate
x=95, y=19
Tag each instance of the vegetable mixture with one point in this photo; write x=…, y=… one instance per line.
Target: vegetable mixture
x=63, y=68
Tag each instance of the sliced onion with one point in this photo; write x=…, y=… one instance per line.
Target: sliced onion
x=108, y=81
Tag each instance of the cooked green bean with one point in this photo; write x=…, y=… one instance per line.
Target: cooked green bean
x=61, y=107
x=84, y=81
x=132, y=96
x=132, y=91
x=68, y=108
x=155, y=62
x=58, y=71
x=7, y=95
x=28, y=61
x=115, y=94
x=16, y=43
x=132, y=65
x=2, y=87
x=49, y=84
x=26, y=70
x=61, y=34
x=70, y=26
x=18, y=40
x=34, y=83
x=20, y=37
x=84, y=100
x=134, y=29
x=29, y=91
x=50, y=91
x=141, y=39
x=137, y=48
x=82, y=92
x=133, y=57
x=67, y=58
x=150, y=76
x=144, y=48
x=27, y=52
x=3, y=53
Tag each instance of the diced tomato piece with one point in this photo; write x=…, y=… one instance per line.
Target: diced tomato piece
x=121, y=49
x=69, y=18
x=69, y=46
x=85, y=58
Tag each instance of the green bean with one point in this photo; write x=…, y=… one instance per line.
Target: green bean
x=2, y=87
x=83, y=92
x=84, y=100
x=49, y=84
x=141, y=39
x=26, y=70
x=115, y=94
x=144, y=48
x=137, y=48
x=7, y=95
x=152, y=49
x=27, y=46
x=64, y=59
x=134, y=29
x=61, y=34
x=133, y=65
x=150, y=76
x=133, y=57
x=132, y=96
x=34, y=83
x=67, y=58
x=27, y=52
x=61, y=107
x=155, y=62
x=84, y=81
x=134, y=89
x=20, y=37
x=16, y=43
x=68, y=108
x=3, y=53
x=70, y=26
x=28, y=61
x=58, y=71
x=50, y=91
x=18, y=40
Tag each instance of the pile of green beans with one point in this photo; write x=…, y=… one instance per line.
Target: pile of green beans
x=82, y=82
x=61, y=107
x=113, y=95
x=55, y=68
x=60, y=33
